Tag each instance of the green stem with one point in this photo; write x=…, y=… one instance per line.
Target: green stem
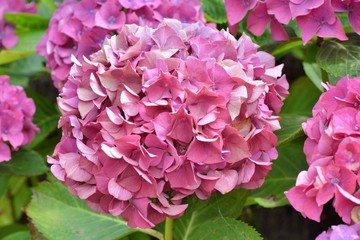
x=169, y=226
x=324, y=76
x=153, y=233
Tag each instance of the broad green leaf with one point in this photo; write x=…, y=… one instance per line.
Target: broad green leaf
x=199, y=212
x=46, y=117
x=302, y=98
x=282, y=177
x=24, y=162
x=26, y=21
x=214, y=10
x=25, y=46
x=290, y=128
x=313, y=71
x=21, y=235
x=225, y=228
x=340, y=58
x=59, y=215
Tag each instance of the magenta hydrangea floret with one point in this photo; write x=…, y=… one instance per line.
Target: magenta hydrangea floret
x=161, y=114
x=313, y=17
x=80, y=27
x=16, y=113
x=332, y=151
x=8, y=38
x=341, y=232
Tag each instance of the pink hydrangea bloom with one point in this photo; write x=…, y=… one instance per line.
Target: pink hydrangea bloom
x=80, y=27
x=332, y=150
x=16, y=113
x=314, y=17
x=8, y=38
x=341, y=232
x=160, y=114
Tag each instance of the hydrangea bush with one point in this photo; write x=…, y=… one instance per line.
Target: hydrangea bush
x=167, y=117
x=79, y=27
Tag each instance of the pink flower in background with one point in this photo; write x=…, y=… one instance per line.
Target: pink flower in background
x=314, y=17
x=16, y=113
x=321, y=21
x=332, y=152
x=341, y=232
x=79, y=28
x=160, y=114
x=259, y=19
x=236, y=10
x=8, y=38
x=353, y=9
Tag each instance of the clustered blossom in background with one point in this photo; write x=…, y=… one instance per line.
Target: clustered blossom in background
x=315, y=17
x=341, y=232
x=16, y=113
x=8, y=38
x=79, y=28
x=332, y=151
x=161, y=114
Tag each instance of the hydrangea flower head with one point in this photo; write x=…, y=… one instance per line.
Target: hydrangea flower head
x=80, y=27
x=16, y=113
x=341, y=232
x=332, y=152
x=8, y=38
x=160, y=114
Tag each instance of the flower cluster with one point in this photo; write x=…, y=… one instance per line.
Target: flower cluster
x=314, y=17
x=341, y=232
x=16, y=113
x=161, y=114
x=80, y=27
x=8, y=39
x=332, y=151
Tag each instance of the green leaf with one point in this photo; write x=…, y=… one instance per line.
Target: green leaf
x=10, y=229
x=200, y=212
x=225, y=228
x=28, y=66
x=50, y=5
x=340, y=58
x=290, y=128
x=214, y=10
x=21, y=235
x=59, y=215
x=24, y=162
x=46, y=117
x=3, y=184
x=286, y=47
x=26, y=21
x=282, y=177
x=302, y=98
x=313, y=71
x=25, y=46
